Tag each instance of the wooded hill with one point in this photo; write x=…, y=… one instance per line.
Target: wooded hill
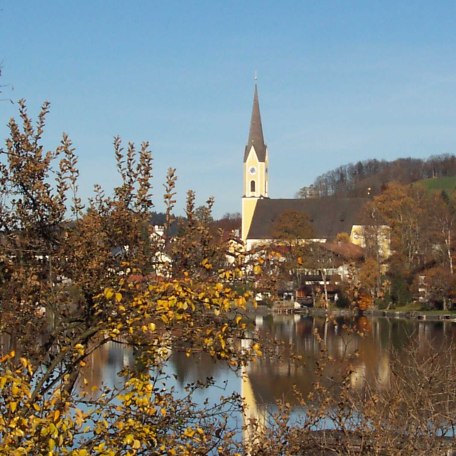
x=370, y=177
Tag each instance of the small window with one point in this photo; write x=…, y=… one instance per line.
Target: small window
x=252, y=186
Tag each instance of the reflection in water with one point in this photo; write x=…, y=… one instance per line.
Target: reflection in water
x=364, y=346
x=103, y=366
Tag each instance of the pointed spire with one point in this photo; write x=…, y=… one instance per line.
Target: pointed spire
x=256, y=138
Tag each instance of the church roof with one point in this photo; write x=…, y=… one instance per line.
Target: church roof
x=328, y=216
x=256, y=138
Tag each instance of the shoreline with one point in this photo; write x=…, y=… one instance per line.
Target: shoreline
x=397, y=314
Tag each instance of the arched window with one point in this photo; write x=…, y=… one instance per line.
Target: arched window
x=252, y=186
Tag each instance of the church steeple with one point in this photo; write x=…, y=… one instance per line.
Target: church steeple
x=256, y=163
x=256, y=138
x=256, y=156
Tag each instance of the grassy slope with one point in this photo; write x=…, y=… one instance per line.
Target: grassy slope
x=438, y=184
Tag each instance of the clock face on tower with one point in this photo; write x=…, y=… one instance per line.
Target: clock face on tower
x=252, y=170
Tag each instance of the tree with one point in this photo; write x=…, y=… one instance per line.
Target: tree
x=318, y=257
x=404, y=209
x=96, y=277
x=290, y=231
x=369, y=278
x=440, y=285
x=230, y=222
x=442, y=221
x=292, y=227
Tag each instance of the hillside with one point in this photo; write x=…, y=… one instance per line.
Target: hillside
x=447, y=184
x=370, y=177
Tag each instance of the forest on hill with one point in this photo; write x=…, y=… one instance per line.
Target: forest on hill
x=370, y=177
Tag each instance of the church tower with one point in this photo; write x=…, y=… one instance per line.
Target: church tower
x=256, y=162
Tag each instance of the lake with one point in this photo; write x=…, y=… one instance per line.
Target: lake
x=365, y=345
x=359, y=350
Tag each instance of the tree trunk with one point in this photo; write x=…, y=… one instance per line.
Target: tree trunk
x=448, y=246
x=325, y=288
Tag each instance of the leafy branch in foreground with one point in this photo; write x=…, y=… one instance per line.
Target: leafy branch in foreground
x=72, y=285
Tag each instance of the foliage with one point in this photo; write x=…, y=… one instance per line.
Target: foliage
x=292, y=226
x=370, y=177
x=75, y=278
x=439, y=285
x=421, y=227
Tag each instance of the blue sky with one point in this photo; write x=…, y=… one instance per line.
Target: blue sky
x=338, y=82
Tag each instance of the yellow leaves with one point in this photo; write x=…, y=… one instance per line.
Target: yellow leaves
x=8, y=356
x=100, y=448
x=80, y=349
x=14, y=390
x=79, y=417
x=128, y=440
x=256, y=349
x=108, y=293
x=240, y=301
x=257, y=269
x=24, y=362
x=222, y=342
x=206, y=264
x=226, y=275
x=189, y=432
x=51, y=444
x=187, y=307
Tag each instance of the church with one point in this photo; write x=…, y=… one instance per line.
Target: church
x=328, y=216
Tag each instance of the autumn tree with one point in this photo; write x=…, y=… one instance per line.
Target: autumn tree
x=292, y=227
x=76, y=278
x=403, y=209
x=369, y=279
x=442, y=224
x=318, y=258
x=290, y=231
x=230, y=222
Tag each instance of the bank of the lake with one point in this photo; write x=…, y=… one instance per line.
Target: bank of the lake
x=402, y=313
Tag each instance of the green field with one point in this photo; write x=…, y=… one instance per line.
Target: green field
x=440, y=183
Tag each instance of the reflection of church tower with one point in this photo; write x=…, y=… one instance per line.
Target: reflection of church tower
x=254, y=416
x=255, y=168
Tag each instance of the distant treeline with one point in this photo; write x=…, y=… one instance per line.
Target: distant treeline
x=370, y=177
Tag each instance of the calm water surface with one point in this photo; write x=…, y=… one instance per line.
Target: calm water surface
x=368, y=344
